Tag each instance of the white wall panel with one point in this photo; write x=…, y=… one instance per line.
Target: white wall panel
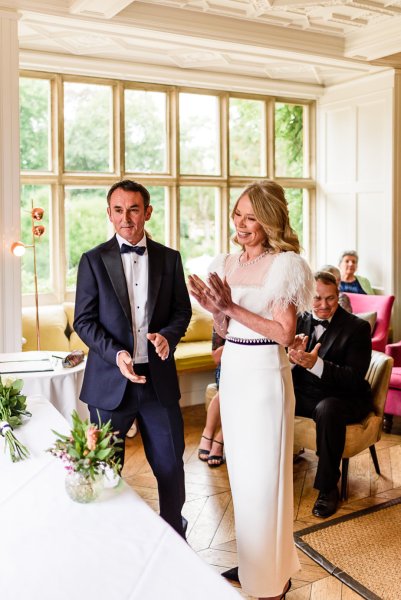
x=340, y=228
x=340, y=148
x=355, y=172
x=371, y=141
x=372, y=246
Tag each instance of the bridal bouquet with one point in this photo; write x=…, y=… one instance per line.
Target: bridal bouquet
x=12, y=409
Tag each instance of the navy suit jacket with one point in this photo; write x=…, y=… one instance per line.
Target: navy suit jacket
x=103, y=320
x=346, y=351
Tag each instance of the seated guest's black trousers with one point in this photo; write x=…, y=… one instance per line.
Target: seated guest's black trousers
x=331, y=416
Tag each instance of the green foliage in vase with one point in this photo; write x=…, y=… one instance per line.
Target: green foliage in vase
x=88, y=449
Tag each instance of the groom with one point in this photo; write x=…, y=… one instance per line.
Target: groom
x=131, y=309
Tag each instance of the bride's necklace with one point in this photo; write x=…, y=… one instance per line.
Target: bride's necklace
x=253, y=260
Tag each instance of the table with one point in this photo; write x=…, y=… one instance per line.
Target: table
x=62, y=386
x=115, y=548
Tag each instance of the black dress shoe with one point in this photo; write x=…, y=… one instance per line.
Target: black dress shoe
x=326, y=504
x=231, y=574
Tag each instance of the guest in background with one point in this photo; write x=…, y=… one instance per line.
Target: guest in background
x=211, y=444
x=343, y=299
x=355, y=284
x=331, y=353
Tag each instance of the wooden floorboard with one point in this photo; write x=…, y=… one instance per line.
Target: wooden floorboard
x=209, y=508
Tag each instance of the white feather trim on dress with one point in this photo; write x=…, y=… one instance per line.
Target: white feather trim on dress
x=290, y=281
x=217, y=265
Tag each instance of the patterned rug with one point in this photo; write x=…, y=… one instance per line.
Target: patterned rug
x=363, y=550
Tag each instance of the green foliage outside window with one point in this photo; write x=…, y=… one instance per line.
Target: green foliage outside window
x=289, y=140
x=199, y=134
x=86, y=224
x=145, y=131
x=88, y=139
x=197, y=227
x=88, y=127
x=34, y=124
x=247, y=139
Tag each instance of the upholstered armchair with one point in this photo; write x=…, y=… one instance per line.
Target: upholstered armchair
x=359, y=436
x=393, y=402
x=381, y=305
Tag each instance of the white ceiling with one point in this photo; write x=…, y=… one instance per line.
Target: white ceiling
x=286, y=42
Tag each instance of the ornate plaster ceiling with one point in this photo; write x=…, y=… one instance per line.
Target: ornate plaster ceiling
x=300, y=42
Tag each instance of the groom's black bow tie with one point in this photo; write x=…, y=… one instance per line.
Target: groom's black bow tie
x=138, y=249
x=324, y=323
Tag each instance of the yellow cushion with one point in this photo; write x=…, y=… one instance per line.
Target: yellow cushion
x=52, y=327
x=194, y=355
x=200, y=327
x=69, y=308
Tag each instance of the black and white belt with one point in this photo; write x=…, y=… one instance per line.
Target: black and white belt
x=251, y=342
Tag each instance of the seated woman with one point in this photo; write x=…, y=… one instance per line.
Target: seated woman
x=211, y=444
x=343, y=299
x=350, y=282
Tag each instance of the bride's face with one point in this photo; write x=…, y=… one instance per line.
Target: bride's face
x=249, y=231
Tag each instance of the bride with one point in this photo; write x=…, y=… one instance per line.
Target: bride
x=255, y=296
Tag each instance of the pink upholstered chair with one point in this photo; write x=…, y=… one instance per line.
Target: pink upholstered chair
x=382, y=305
x=393, y=400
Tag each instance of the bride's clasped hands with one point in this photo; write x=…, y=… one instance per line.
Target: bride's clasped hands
x=214, y=296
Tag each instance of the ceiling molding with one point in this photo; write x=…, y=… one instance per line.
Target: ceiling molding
x=98, y=8
x=41, y=61
x=375, y=42
x=303, y=42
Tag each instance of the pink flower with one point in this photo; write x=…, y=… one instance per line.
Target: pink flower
x=92, y=433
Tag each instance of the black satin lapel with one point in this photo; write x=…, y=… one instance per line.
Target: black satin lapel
x=156, y=260
x=112, y=261
x=332, y=332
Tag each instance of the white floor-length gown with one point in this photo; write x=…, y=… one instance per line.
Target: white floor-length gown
x=257, y=411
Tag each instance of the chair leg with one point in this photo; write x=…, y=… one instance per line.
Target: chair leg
x=374, y=458
x=387, y=422
x=344, y=478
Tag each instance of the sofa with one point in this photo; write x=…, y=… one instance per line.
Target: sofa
x=192, y=354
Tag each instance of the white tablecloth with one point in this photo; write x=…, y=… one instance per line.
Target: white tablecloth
x=115, y=548
x=61, y=386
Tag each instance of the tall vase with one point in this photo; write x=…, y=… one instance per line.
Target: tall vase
x=81, y=487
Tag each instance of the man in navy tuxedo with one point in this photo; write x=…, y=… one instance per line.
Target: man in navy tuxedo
x=332, y=353
x=132, y=307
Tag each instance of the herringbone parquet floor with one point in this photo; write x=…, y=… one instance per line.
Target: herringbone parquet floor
x=210, y=513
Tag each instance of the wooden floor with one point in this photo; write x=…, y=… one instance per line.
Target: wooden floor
x=210, y=513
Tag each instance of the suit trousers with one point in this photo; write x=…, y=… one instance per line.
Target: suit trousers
x=162, y=433
x=331, y=415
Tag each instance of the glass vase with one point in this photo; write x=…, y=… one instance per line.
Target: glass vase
x=81, y=487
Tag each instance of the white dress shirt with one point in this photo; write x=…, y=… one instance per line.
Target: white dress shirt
x=136, y=274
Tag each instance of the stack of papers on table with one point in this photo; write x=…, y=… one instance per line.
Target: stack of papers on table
x=25, y=362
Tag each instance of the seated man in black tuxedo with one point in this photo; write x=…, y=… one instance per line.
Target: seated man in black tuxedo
x=331, y=354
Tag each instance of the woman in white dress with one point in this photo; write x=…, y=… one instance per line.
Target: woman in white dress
x=255, y=296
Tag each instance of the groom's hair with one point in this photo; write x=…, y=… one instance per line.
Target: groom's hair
x=130, y=186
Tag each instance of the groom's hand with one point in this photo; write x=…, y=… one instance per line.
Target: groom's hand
x=160, y=343
x=125, y=364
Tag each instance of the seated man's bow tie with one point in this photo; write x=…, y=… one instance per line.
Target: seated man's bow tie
x=138, y=249
x=324, y=323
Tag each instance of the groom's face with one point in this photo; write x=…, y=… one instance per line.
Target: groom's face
x=128, y=214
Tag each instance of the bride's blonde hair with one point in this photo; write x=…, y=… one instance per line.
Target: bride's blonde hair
x=271, y=211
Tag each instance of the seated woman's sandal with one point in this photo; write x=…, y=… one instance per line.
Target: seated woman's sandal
x=216, y=460
x=203, y=454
